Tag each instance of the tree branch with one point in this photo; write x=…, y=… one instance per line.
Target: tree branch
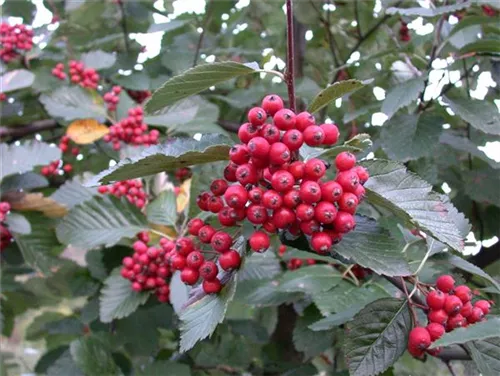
x=21, y=131
x=486, y=256
x=206, y=20
x=356, y=15
x=290, y=56
x=124, y=25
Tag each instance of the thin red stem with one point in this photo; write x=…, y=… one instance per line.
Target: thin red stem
x=290, y=55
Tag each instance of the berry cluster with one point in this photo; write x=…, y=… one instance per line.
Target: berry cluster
x=85, y=77
x=5, y=235
x=404, y=32
x=3, y=97
x=294, y=263
x=57, y=167
x=489, y=11
x=14, y=38
x=113, y=97
x=132, y=130
x=147, y=268
x=450, y=307
x=139, y=96
x=275, y=190
x=132, y=189
x=58, y=71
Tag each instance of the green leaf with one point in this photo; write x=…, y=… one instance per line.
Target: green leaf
x=465, y=265
x=411, y=199
x=64, y=366
x=193, y=81
x=179, y=292
x=100, y=221
x=37, y=248
x=25, y=182
x=333, y=92
x=166, y=26
x=482, y=185
x=356, y=144
x=164, y=367
x=409, y=137
x=265, y=293
x=200, y=319
x=93, y=356
x=73, y=193
x=181, y=152
x=310, y=279
x=486, y=355
x=465, y=145
x=17, y=159
x=117, y=299
x=18, y=223
x=479, y=331
x=488, y=46
x=305, y=340
x=402, y=95
x=482, y=115
x=428, y=12
x=337, y=319
x=260, y=266
x=16, y=79
x=163, y=210
x=98, y=59
x=377, y=336
x=372, y=247
x=70, y=103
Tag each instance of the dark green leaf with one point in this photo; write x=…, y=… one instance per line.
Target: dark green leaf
x=25, y=182
x=479, y=331
x=486, y=355
x=93, y=356
x=16, y=79
x=265, y=293
x=482, y=115
x=465, y=265
x=73, y=193
x=377, y=336
x=429, y=12
x=467, y=146
x=489, y=46
x=17, y=159
x=100, y=221
x=98, y=59
x=181, y=152
x=117, y=299
x=333, y=92
x=310, y=279
x=356, y=144
x=37, y=248
x=64, y=366
x=166, y=26
x=260, y=266
x=412, y=200
x=193, y=81
x=163, y=367
x=18, y=224
x=163, y=210
x=309, y=342
x=402, y=95
x=337, y=319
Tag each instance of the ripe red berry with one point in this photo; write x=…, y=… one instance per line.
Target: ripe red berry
x=259, y=241
x=236, y=196
x=272, y=103
x=313, y=135
x=483, y=305
x=230, y=260
x=456, y=321
x=284, y=119
x=331, y=191
x=435, y=299
x=178, y=262
x=297, y=169
x=325, y=212
x=348, y=202
x=304, y=120
x=305, y=212
x=272, y=199
x=246, y=132
x=466, y=310
x=283, y=217
x=194, y=226
x=257, y=116
x=438, y=316
x=293, y=139
x=255, y=195
x=331, y=133
x=209, y=270
x=189, y=276
x=212, y=287
x=435, y=330
x=225, y=218
x=215, y=204
x=419, y=338
x=140, y=247
x=349, y=180
x=239, y=154
x=218, y=187
x=137, y=287
x=345, y=161
x=206, y=233
x=282, y=181
x=310, y=192
x=363, y=174
x=309, y=227
x=202, y=201
x=292, y=198
x=221, y=241
x=271, y=133
x=314, y=169
x=184, y=246
x=344, y=222
x=259, y=147
x=452, y=305
x=445, y=283
x=321, y=242
x=279, y=154
x=247, y=174
x=463, y=292
x=476, y=315
x=360, y=192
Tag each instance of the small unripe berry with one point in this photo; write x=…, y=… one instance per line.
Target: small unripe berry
x=259, y=241
x=445, y=283
x=435, y=299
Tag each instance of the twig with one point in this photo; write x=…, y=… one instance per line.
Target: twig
x=290, y=58
x=356, y=15
x=21, y=131
x=206, y=20
x=124, y=25
x=410, y=303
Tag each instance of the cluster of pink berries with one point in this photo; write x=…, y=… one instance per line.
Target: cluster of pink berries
x=147, y=268
x=132, y=189
x=404, y=32
x=5, y=235
x=112, y=98
x=14, y=38
x=58, y=71
x=139, y=96
x=275, y=190
x=132, y=130
x=55, y=167
x=85, y=77
x=450, y=307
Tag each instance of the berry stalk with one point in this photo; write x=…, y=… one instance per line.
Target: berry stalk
x=290, y=55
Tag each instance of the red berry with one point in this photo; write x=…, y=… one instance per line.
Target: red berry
x=282, y=181
x=230, y=172
x=221, y=241
x=140, y=247
x=247, y=174
x=456, y=321
x=236, y=196
x=293, y=139
x=360, y=192
x=230, y=260
x=452, y=305
x=331, y=191
x=255, y=195
x=284, y=119
x=218, y=187
x=445, y=283
x=463, y=292
x=349, y=180
x=209, y=270
x=206, y=233
x=189, y=276
x=259, y=241
x=195, y=259
x=257, y=116
x=466, y=310
x=476, y=315
x=225, y=218
x=283, y=217
x=348, y=202
x=363, y=174
x=331, y=133
x=325, y=212
x=272, y=200
x=310, y=192
x=321, y=242
x=215, y=204
x=435, y=330
x=309, y=227
x=419, y=338
x=483, y=305
x=137, y=287
x=438, y=316
x=297, y=169
x=194, y=226
x=272, y=103
x=292, y=198
x=304, y=120
x=435, y=299
x=202, y=200
x=313, y=135
x=178, y=262
x=184, y=246
x=239, y=154
x=212, y=287
x=305, y=212
x=259, y=147
x=344, y=222
x=345, y=161
x=314, y=169
x=271, y=133
x=279, y=153
x=246, y=132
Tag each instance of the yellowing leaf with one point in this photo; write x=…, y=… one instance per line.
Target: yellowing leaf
x=38, y=202
x=86, y=131
x=183, y=196
x=165, y=230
